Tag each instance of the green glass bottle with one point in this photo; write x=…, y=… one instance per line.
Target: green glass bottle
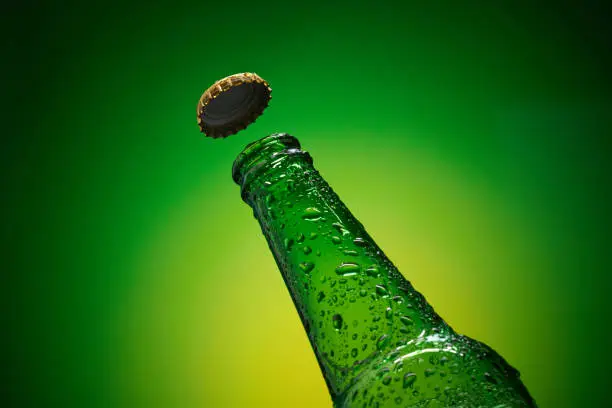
x=377, y=341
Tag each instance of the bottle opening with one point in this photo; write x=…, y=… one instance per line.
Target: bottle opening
x=258, y=154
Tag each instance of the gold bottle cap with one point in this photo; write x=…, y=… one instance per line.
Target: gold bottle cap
x=232, y=103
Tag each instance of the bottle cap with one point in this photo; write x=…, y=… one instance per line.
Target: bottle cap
x=232, y=103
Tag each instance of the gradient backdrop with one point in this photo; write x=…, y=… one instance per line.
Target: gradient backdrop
x=472, y=140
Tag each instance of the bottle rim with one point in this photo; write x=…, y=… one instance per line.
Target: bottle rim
x=259, y=150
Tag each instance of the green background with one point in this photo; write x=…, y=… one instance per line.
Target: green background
x=472, y=140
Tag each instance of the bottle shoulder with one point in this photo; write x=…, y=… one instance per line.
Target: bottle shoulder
x=438, y=371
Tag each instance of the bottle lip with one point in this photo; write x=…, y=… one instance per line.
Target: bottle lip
x=262, y=149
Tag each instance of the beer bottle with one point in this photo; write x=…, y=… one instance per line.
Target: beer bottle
x=378, y=342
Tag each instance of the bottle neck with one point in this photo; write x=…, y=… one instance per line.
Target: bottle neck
x=354, y=304
x=264, y=156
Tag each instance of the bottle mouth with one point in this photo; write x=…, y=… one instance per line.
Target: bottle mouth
x=260, y=152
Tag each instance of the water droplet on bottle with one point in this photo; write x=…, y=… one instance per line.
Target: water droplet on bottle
x=398, y=400
x=354, y=352
x=336, y=240
x=337, y=321
x=347, y=269
x=300, y=237
x=311, y=214
x=388, y=313
x=490, y=378
x=307, y=249
x=288, y=243
x=306, y=266
x=382, y=373
x=313, y=235
x=429, y=372
x=320, y=296
x=363, y=292
x=406, y=320
x=360, y=242
x=386, y=380
x=340, y=228
x=372, y=271
x=351, y=252
x=382, y=341
x=381, y=290
x=409, y=380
